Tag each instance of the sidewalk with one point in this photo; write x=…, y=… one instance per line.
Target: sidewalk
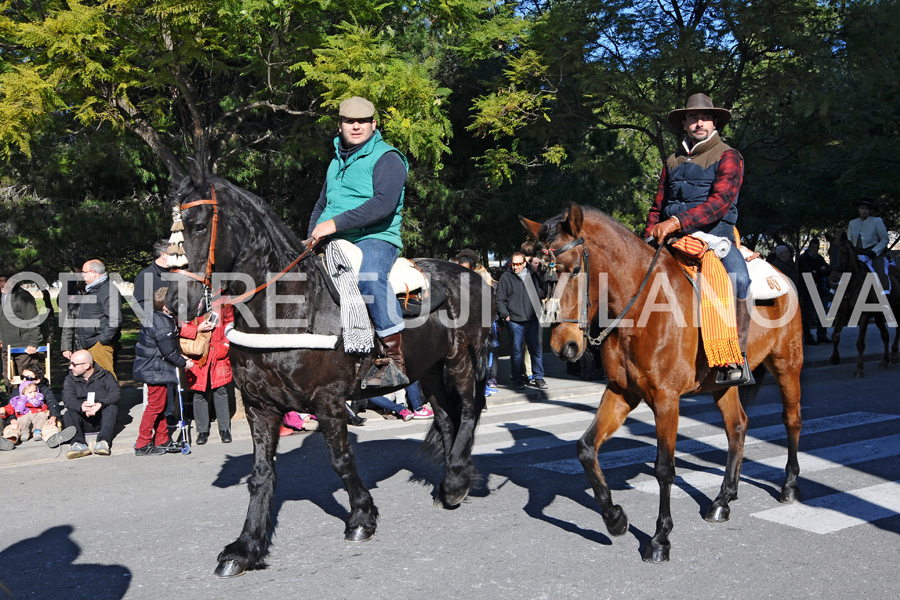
x=562, y=386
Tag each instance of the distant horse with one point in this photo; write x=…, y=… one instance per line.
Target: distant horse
x=658, y=360
x=843, y=258
x=229, y=230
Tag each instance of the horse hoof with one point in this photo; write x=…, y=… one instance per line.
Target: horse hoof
x=789, y=495
x=359, y=534
x=618, y=524
x=859, y=375
x=717, y=514
x=656, y=554
x=882, y=366
x=835, y=360
x=230, y=568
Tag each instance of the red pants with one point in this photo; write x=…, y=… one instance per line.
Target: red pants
x=153, y=418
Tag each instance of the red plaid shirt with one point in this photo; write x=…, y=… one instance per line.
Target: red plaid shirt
x=725, y=188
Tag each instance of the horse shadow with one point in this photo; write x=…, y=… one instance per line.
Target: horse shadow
x=44, y=566
x=305, y=473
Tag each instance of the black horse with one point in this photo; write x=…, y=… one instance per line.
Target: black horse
x=229, y=230
x=844, y=260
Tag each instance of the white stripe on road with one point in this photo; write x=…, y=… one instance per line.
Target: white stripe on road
x=839, y=511
x=647, y=454
x=772, y=469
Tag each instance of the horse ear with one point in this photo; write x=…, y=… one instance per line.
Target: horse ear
x=198, y=177
x=573, y=217
x=532, y=227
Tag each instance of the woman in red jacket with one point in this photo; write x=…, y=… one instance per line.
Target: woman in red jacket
x=211, y=376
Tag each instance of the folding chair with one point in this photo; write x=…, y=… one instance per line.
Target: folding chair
x=14, y=378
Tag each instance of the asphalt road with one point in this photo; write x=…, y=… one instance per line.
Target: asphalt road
x=127, y=527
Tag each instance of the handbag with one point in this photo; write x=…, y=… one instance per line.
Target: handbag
x=197, y=349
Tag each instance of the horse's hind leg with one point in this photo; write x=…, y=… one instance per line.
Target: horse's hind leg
x=610, y=415
x=729, y=404
x=363, y=517
x=251, y=547
x=861, y=347
x=787, y=374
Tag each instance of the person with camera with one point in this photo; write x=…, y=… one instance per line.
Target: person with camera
x=211, y=375
x=91, y=395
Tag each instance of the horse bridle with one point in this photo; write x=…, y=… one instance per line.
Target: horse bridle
x=206, y=280
x=583, y=319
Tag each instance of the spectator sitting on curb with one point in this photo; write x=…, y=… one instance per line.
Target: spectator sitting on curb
x=91, y=395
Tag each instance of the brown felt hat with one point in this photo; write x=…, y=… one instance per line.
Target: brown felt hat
x=356, y=108
x=703, y=103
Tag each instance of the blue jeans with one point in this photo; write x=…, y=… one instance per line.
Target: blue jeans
x=413, y=398
x=384, y=308
x=530, y=333
x=736, y=266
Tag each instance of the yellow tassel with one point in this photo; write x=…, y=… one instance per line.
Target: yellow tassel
x=176, y=237
x=178, y=225
x=173, y=248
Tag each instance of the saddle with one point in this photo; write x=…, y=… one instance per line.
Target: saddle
x=413, y=289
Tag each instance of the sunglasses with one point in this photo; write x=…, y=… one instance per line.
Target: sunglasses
x=517, y=264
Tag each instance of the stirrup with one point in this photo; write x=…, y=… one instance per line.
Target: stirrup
x=388, y=375
x=746, y=376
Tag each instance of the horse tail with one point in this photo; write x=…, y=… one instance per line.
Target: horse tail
x=748, y=393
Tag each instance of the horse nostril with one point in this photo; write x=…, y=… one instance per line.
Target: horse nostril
x=569, y=351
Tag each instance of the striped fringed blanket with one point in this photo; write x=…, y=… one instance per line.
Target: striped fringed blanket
x=356, y=328
x=718, y=326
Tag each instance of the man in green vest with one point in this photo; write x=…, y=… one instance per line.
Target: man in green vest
x=361, y=202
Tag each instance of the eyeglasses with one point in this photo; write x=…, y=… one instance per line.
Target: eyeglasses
x=71, y=364
x=517, y=264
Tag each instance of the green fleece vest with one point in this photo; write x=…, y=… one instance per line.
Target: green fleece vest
x=349, y=184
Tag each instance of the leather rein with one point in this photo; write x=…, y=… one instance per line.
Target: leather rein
x=206, y=280
x=583, y=319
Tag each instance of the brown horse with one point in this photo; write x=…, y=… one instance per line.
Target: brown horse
x=655, y=355
x=844, y=261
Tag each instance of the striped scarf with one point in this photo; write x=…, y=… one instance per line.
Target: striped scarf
x=718, y=324
x=358, y=335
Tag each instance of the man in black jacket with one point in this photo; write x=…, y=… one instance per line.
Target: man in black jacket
x=91, y=396
x=99, y=316
x=518, y=292
x=151, y=279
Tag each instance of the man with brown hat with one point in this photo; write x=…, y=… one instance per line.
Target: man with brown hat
x=698, y=191
x=361, y=202
x=870, y=238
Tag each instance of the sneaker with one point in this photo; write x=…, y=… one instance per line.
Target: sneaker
x=101, y=448
x=519, y=385
x=492, y=383
x=423, y=413
x=489, y=391
x=78, y=450
x=38, y=437
x=25, y=437
x=170, y=446
x=285, y=431
x=406, y=415
x=6, y=444
x=149, y=450
x=539, y=384
x=58, y=439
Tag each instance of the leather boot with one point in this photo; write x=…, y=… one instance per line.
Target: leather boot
x=389, y=371
x=739, y=374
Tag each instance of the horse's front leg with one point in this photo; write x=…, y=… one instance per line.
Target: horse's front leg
x=835, y=341
x=610, y=415
x=881, y=323
x=249, y=550
x=363, y=514
x=861, y=347
x=735, y=419
x=666, y=414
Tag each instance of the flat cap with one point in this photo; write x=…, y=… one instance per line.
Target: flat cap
x=356, y=108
